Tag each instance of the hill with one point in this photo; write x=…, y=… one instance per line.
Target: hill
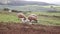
x=21, y=3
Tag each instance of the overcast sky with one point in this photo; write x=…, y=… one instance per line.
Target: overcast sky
x=48, y=1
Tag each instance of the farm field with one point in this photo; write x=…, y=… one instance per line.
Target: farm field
x=44, y=18
x=48, y=23
x=20, y=28
x=30, y=8
x=48, y=13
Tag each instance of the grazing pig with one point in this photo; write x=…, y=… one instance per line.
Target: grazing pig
x=22, y=17
x=32, y=18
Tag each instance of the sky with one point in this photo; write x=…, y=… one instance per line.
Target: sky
x=48, y=1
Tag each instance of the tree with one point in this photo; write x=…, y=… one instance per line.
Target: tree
x=6, y=9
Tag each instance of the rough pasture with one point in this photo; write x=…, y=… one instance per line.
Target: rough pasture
x=10, y=24
x=46, y=19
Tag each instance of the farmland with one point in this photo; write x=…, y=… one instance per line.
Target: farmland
x=48, y=23
x=30, y=8
x=45, y=18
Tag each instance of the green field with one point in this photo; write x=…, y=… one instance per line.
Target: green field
x=30, y=8
x=45, y=20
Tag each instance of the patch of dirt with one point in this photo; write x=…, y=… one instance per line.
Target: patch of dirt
x=19, y=28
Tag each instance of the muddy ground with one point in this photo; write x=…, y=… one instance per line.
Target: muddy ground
x=19, y=28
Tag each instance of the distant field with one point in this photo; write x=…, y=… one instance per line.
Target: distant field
x=45, y=20
x=31, y=8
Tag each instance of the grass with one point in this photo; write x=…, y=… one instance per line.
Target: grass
x=48, y=20
x=8, y=17
x=11, y=17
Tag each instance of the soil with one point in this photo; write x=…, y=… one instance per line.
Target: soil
x=20, y=28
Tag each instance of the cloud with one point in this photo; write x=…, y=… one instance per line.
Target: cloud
x=48, y=1
x=8, y=1
x=4, y=1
